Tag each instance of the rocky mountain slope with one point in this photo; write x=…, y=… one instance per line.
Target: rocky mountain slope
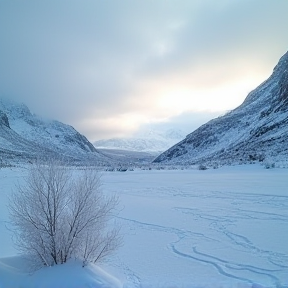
x=257, y=130
x=25, y=136
x=151, y=141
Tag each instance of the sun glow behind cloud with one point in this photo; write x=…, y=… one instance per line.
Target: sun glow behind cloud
x=162, y=103
x=214, y=99
x=174, y=95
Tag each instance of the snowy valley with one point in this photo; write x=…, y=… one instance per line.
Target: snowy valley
x=256, y=131
x=182, y=226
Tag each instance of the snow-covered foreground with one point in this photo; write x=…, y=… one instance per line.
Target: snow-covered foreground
x=216, y=228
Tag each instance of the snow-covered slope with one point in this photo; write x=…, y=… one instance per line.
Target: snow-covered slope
x=257, y=130
x=25, y=136
x=146, y=141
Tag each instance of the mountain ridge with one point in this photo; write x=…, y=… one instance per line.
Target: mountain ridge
x=25, y=136
x=253, y=131
x=152, y=141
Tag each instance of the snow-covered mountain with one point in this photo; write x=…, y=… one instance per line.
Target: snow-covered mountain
x=257, y=130
x=145, y=141
x=25, y=136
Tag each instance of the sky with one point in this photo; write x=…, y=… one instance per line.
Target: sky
x=114, y=68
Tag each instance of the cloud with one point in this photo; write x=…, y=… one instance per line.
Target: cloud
x=108, y=67
x=181, y=122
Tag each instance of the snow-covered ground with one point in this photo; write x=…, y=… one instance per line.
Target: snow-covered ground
x=226, y=227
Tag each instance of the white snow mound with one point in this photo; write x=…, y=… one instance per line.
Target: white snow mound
x=14, y=273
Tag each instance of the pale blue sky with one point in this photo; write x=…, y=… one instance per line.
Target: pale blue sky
x=110, y=67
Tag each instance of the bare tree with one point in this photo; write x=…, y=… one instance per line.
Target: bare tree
x=59, y=214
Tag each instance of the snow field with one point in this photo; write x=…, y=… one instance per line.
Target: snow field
x=215, y=228
x=226, y=227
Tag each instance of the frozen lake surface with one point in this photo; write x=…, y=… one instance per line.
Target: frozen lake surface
x=226, y=227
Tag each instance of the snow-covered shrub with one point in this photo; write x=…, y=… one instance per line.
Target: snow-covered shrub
x=57, y=215
x=214, y=165
x=261, y=157
x=269, y=165
x=202, y=167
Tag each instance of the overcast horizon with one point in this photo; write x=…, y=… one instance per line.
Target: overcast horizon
x=113, y=68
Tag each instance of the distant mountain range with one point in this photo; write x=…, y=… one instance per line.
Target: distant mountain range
x=151, y=141
x=25, y=137
x=257, y=130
